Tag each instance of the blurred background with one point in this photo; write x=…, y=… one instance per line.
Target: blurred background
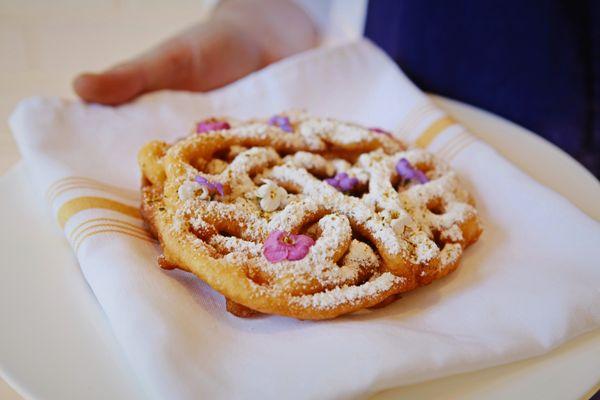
x=44, y=44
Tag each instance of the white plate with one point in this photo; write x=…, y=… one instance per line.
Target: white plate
x=55, y=341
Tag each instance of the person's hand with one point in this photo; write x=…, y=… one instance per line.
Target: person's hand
x=240, y=37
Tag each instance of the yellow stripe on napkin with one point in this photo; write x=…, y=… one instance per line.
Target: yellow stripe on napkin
x=88, y=235
x=73, y=206
x=77, y=182
x=433, y=130
x=85, y=225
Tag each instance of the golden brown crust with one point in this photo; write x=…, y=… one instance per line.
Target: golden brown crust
x=219, y=238
x=239, y=310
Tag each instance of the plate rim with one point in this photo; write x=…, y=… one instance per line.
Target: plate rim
x=553, y=153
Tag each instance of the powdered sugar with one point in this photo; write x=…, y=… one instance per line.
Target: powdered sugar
x=348, y=294
x=274, y=180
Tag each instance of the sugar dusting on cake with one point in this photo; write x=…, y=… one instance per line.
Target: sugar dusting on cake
x=395, y=215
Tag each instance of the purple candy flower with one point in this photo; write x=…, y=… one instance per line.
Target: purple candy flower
x=379, y=130
x=281, y=122
x=211, y=124
x=282, y=245
x=211, y=186
x=408, y=172
x=342, y=182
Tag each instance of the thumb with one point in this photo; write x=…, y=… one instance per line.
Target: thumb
x=204, y=57
x=114, y=86
x=167, y=66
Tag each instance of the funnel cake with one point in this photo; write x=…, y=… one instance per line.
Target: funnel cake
x=304, y=217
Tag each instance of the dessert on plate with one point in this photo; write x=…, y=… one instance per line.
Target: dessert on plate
x=302, y=216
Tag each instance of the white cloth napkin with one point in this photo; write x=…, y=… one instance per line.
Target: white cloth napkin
x=529, y=284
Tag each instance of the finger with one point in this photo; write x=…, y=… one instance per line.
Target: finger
x=115, y=86
x=165, y=67
x=174, y=64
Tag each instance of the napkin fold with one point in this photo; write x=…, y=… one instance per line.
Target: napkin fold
x=529, y=284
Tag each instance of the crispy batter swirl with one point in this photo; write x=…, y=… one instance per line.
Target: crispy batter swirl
x=368, y=230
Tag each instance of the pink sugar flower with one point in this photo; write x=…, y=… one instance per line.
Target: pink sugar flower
x=281, y=122
x=342, y=182
x=282, y=245
x=408, y=172
x=211, y=124
x=379, y=130
x=211, y=186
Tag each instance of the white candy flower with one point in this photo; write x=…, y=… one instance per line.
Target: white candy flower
x=189, y=190
x=398, y=219
x=204, y=193
x=271, y=196
x=398, y=224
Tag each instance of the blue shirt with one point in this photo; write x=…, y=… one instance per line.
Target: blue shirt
x=534, y=62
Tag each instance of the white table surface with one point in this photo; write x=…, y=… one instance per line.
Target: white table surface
x=43, y=45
